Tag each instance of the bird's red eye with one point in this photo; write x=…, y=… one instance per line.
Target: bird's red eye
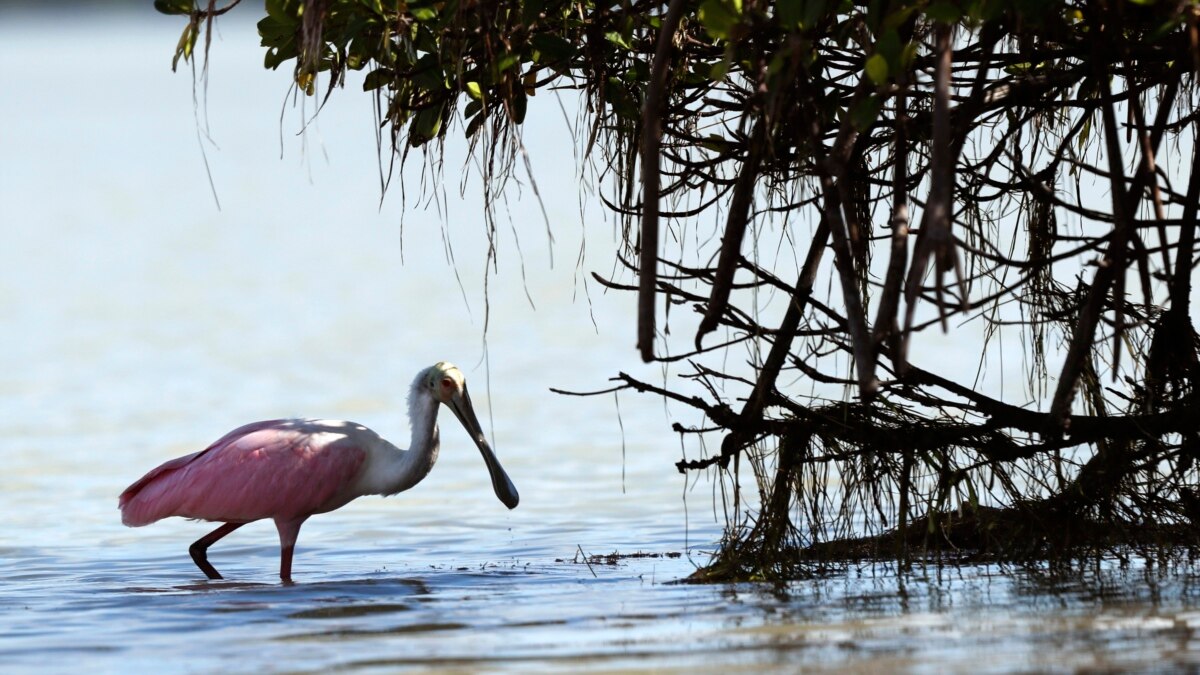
x=447, y=383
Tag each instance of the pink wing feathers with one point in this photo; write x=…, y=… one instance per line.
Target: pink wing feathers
x=166, y=467
x=280, y=469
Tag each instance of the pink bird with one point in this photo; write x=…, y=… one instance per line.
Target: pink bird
x=288, y=470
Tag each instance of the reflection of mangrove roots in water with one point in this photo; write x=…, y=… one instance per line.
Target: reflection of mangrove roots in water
x=1028, y=532
x=971, y=534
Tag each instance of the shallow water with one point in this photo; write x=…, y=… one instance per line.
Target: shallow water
x=141, y=323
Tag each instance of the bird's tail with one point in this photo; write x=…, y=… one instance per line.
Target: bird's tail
x=150, y=499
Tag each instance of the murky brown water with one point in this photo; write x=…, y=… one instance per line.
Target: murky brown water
x=141, y=323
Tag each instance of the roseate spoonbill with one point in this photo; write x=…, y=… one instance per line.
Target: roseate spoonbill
x=288, y=470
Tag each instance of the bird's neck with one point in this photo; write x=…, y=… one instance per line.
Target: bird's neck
x=423, y=450
x=393, y=470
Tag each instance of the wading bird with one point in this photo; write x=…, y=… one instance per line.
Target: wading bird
x=288, y=470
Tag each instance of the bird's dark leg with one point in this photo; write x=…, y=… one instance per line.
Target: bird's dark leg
x=285, y=562
x=199, y=549
x=288, y=531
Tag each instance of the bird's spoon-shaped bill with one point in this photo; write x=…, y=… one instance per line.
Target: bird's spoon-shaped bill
x=501, y=483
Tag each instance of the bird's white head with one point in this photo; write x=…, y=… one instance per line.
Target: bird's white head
x=445, y=381
x=446, y=384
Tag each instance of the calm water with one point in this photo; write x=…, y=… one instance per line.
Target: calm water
x=141, y=322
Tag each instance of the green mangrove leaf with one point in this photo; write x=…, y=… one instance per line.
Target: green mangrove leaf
x=187, y=41
x=380, y=77
x=863, y=114
x=618, y=40
x=551, y=49
x=877, y=69
x=475, y=124
x=944, y=12
x=426, y=125
x=175, y=6
x=720, y=16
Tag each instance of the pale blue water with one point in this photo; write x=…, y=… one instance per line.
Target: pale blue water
x=141, y=323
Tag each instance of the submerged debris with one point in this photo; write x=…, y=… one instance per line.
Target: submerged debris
x=615, y=557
